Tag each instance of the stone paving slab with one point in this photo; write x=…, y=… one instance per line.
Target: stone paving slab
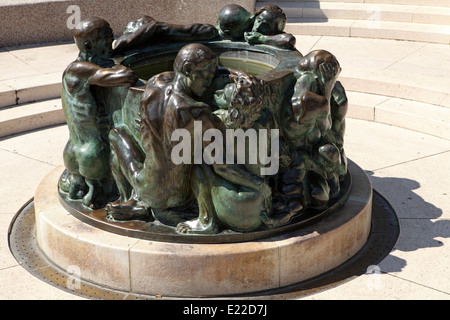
x=389, y=64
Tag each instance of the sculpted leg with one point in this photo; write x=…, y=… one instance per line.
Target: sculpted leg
x=234, y=206
x=93, y=164
x=206, y=222
x=238, y=208
x=71, y=181
x=88, y=199
x=74, y=185
x=124, y=187
x=125, y=163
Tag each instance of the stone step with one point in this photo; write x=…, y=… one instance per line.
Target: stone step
x=403, y=69
x=409, y=31
x=30, y=116
x=412, y=115
x=31, y=88
x=435, y=3
x=364, y=11
x=429, y=96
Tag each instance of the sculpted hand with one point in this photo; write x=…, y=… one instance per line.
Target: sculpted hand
x=327, y=70
x=253, y=37
x=328, y=76
x=266, y=193
x=126, y=76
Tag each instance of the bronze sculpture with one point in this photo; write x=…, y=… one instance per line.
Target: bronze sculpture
x=264, y=27
x=146, y=29
x=130, y=150
x=86, y=155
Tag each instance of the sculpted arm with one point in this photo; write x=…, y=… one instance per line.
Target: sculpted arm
x=339, y=98
x=118, y=75
x=144, y=32
x=189, y=32
x=282, y=40
x=148, y=29
x=238, y=175
x=92, y=74
x=304, y=94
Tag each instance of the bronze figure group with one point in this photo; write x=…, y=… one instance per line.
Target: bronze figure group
x=297, y=124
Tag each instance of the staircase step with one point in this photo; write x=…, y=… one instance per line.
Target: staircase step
x=364, y=11
x=434, y=3
x=431, y=96
x=31, y=88
x=25, y=117
x=410, y=70
x=400, y=113
x=7, y=96
x=409, y=31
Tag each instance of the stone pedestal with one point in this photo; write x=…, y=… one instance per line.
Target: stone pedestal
x=201, y=270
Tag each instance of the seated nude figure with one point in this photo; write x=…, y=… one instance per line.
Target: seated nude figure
x=243, y=105
x=146, y=30
x=148, y=178
x=314, y=125
x=86, y=155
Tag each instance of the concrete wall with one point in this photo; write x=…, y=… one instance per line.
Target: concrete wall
x=24, y=22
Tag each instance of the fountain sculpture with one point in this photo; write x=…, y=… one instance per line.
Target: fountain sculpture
x=207, y=135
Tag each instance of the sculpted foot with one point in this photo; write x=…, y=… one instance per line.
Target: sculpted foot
x=129, y=210
x=88, y=199
x=295, y=208
x=64, y=181
x=195, y=226
x=77, y=187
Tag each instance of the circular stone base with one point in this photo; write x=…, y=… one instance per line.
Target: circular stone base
x=200, y=270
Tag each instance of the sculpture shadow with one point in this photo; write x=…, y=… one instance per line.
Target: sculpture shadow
x=402, y=221
x=417, y=218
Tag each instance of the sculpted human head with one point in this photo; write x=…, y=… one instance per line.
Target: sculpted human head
x=269, y=20
x=233, y=21
x=94, y=38
x=197, y=65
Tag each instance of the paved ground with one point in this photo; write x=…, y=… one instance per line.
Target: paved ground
x=409, y=168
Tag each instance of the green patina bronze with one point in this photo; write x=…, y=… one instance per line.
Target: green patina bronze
x=123, y=105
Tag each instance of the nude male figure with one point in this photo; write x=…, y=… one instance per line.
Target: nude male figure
x=147, y=30
x=264, y=27
x=86, y=155
x=149, y=178
x=314, y=127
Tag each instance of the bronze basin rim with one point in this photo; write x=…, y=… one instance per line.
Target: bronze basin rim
x=282, y=59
